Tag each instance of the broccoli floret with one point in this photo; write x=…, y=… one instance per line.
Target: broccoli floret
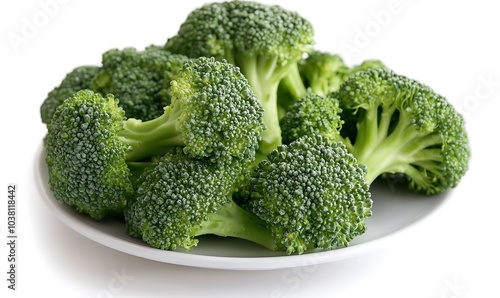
x=140, y=79
x=403, y=126
x=394, y=125
x=85, y=158
x=265, y=42
x=180, y=198
x=78, y=79
x=311, y=194
x=313, y=114
x=290, y=89
x=321, y=73
x=213, y=112
x=365, y=65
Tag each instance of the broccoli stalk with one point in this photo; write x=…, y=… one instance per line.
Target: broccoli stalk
x=400, y=150
x=290, y=89
x=153, y=137
x=230, y=220
x=264, y=76
x=293, y=85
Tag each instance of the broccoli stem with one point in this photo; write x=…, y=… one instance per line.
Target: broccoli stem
x=317, y=87
x=294, y=84
x=153, y=137
x=231, y=220
x=290, y=90
x=271, y=136
x=398, y=151
x=264, y=75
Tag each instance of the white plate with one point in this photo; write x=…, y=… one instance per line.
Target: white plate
x=393, y=212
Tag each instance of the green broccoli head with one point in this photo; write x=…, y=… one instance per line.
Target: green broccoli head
x=140, y=79
x=173, y=197
x=84, y=156
x=180, y=198
x=402, y=126
x=265, y=42
x=213, y=112
x=206, y=32
x=311, y=194
x=270, y=33
x=78, y=79
x=367, y=64
x=320, y=73
x=312, y=114
x=323, y=72
x=242, y=32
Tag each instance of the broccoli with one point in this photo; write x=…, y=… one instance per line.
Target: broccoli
x=90, y=143
x=365, y=65
x=85, y=157
x=290, y=89
x=265, y=42
x=213, y=112
x=78, y=79
x=311, y=194
x=180, y=198
x=321, y=73
x=140, y=79
x=313, y=114
x=394, y=125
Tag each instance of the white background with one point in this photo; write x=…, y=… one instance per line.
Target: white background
x=451, y=45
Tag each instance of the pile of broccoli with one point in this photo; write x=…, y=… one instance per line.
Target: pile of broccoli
x=239, y=127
